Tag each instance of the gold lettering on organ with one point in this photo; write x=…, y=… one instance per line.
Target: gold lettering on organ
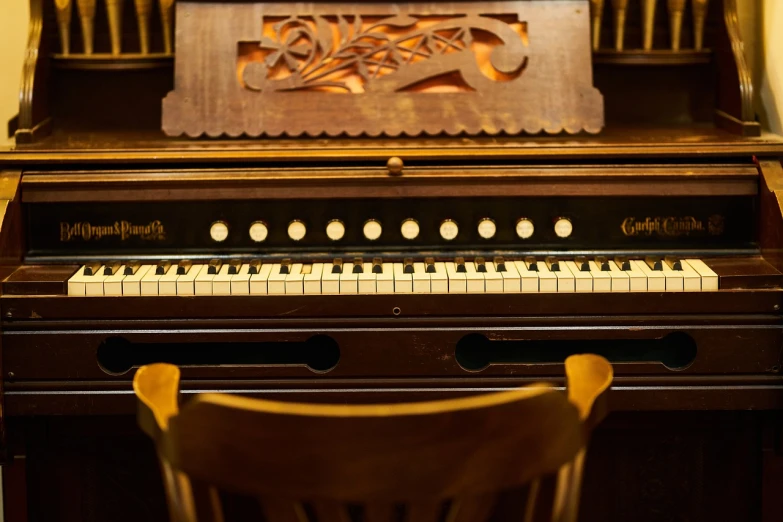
x=672, y=226
x=124, y=230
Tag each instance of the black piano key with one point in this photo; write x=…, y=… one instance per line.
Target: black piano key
x=654, y=263
x=460, y=262
x=553, y=264
x=407, y=267
x=162, y=268
x=234, y=266
x=481, y=265
x=131, y=267
x=214, y=266
x=532, y=264
x=429, y=263
x=358, y=265
x=337, y=266
x=285, y=267
x=623, y=263
x=183, y=267
x=92, y=268
x=377, y=265
x=110, y=268
x=254, y=267
x=500, y=264
x=674, y=263
x=603, y=264
x=582, y=263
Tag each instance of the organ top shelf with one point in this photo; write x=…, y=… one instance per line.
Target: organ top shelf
x=624, y=140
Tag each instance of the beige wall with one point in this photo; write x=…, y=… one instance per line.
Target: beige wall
x=13, y=37
x=771, y=83
x=768, y=80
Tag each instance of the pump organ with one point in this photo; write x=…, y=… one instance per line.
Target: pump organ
x=385, y=266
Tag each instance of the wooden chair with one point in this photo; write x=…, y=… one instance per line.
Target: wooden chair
x=512, y=455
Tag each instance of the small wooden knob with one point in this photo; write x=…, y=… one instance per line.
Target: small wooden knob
x=395, y=166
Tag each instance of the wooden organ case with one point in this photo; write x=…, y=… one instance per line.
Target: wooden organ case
x=330, y=202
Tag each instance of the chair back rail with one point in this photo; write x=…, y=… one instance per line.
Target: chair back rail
x=512, y=455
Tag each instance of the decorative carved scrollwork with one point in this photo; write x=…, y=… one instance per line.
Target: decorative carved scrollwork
x=388, y=54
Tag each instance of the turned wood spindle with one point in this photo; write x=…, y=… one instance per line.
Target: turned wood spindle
x=87, y=19
x=596, y=13
x=64, y=10
x=166, y=17
x=618, y=9
x=143, y=13
x=114, y=10
x=676, y=11
x=699, y=18
x=648, y=23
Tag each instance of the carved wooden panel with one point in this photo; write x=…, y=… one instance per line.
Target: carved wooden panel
x=382, y=69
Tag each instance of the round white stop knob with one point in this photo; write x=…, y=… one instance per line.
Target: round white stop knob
x=335, y=230
x=525, y=228
x=258, y=231
x=410, y=229
x=372, y=230
x=448, y=229
x=296, y=230
x=487, y=228
x=218, y=231
x=563, y=227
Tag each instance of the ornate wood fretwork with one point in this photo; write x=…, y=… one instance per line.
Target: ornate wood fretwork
x=383, y=69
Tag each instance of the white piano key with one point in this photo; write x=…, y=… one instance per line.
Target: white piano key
x=294, y=281
x=93, y=285
x=403, y=283
x=511, y=281
x=203, y=282
x=691, y=280
x=258, y=282
x=547, y=280
x=674, y=279
x=439, y=280
x=186, y=283
x=112, y=285
x=221, y=282
x=421, y=279
x=656, y=281
x=330, y=281
x=367, y=280
x=76, y=284
x=583, y=281
x=384, y=281
x=621, y=282
x=458, y=283
x=528, y=279
x=493, y=280
x=566, y=281
x=349, y=281
x=240, y=282
x=150, y=282
x=637, y=278
x=475, y=279
x=312, y=281
x=131, y=285
x=709, y=279
x=602, y=281
x=276, y=281
x=167, y=283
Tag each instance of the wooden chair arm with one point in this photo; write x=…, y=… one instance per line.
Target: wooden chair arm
x=588, y=378
x=157, y=389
